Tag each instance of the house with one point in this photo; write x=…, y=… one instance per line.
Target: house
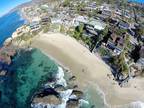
x=34, y=26
x=20, y=31
x=131, y=32
x=102, y=17
x=123, y=25
x=133, y=41
x=142, y=38
x=116, y=43
x=56, y=20
x=91, y=6
x=107, y=13
x=93, y=27
x=116, y=50
x=80, y=19
x=90, y=33
x=44, y=7
x=45, y=20
x=118, y=12
x=113, y=21
x=104, y=7
x=140, y=63
x=127, y=14
x=94, y=24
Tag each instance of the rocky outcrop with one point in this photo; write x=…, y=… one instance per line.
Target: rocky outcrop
x=47, y=96
x=78, y=94
x=50, y=99
x=72, y=103
x=6, y=52
x=59, y=88
x=59, y=93
x=73, y=78
x=72, y=83
x=46, y=92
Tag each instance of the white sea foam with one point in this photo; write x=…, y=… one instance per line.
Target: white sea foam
x=137, y=104
x=66, y=94
x=103, y=96
x=82, y=101
x=60, y=77
x=73, y=97
x=65, y=97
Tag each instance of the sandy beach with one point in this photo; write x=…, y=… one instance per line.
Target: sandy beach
x=89, y=69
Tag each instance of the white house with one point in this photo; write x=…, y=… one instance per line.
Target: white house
x=80, y=19
x=96, y=24
x=20, y=31
x=34, y=26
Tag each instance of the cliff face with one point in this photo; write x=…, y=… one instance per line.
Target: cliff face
x=6, y=52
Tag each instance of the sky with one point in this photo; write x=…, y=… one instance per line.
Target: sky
x=7, y=5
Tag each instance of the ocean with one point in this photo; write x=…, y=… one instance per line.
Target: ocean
x=28, y=71
x=138, y=1
x=8, y=24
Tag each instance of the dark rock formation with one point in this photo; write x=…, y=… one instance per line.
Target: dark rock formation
x=72, y=103
x=73, y=78
x=59, y=88
x=47, y=96
x=46, y=92
x=78, y=93
x=6, y=52
x=50, y=99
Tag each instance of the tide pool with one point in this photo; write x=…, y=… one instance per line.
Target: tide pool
x=8, y=24
x=27, y=72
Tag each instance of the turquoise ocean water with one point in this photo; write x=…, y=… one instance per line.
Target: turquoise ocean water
x=27, y=72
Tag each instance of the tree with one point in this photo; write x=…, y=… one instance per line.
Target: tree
x=66, y=3
x=80, y=6
x=126, y=43
x=46, y=28
x=139, y=32
x=62, y=29
x=121, y=63
x=135, y=53
x=78, y=32
x=120, y=60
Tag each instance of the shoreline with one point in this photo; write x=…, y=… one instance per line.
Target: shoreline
x=51, y=45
